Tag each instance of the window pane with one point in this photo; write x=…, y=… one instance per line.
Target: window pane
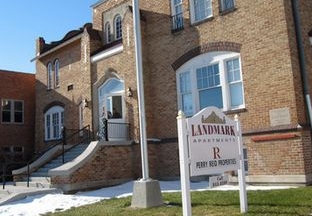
x=57, y=75
x=208, y=76
x=108, y=32
x=236, y=93
x=117, y=107
x=6, y=116
x=233, y=70
x=18, y=117
x=55, y=122
x=48, y=128
x=18, y=106
x=49, y=76
x=185, y=82
x=211, y=97
x=187, y=104
x=6, y=105
x=227, y=4
x=202, y=9
x=118, y=27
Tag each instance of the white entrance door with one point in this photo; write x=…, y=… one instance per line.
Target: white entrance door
x=112, y=108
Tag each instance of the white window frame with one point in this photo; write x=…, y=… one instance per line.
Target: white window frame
x=53, y=129
x=194, y=12
x=204, y=60
x=118, y=27
x=12, y=111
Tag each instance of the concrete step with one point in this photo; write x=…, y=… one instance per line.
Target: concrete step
x=41, y=179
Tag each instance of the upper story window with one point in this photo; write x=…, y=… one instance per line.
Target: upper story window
x=211, y=79
x=49, y=75
x=177, y=15
x=227, y=5
x=200, y=10
x=56, y=73
x=12, y=111
x=118, y=27
x=53, y=74
x=108, y=33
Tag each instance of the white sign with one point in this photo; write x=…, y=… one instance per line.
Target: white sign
x=209, y=142
x=215, y=181
x=212, y=143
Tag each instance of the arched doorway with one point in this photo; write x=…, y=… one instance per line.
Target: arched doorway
x=112, y=108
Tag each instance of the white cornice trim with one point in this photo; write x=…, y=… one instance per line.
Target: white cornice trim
x=107, y=53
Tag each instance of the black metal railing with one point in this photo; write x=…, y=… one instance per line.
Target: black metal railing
x=177, y=22
x=112, y=131
x=74, y=139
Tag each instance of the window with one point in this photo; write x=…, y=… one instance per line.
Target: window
x=49, y=74
x=211, y=79
x=12, y=111
x=108, y=34
x=53, y=77
x=200, y=10
x=56, y=73
x=226, y=5
x=54, y=120
x=177, y=14
x=118, y=27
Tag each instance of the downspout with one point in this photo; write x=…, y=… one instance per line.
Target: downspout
x=302, y=62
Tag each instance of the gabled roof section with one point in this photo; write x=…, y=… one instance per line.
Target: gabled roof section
x=68, y=36
x=71, y=36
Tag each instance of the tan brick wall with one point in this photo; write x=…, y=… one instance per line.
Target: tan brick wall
x=264, y=33
x=74, y=70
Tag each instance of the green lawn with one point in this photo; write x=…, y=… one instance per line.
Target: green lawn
x=297, y=201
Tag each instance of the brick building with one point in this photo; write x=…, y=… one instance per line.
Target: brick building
x=239, y=56
x=17, y=96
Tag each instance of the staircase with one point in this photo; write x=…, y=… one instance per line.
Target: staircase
x=40, y=178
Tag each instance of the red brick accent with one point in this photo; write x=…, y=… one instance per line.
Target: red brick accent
x=273, y=137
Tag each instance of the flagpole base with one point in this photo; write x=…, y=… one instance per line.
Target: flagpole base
x=146, y=193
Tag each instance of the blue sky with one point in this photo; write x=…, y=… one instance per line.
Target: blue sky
x=23, y=21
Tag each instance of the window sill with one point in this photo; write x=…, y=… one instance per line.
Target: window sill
x=202, y=21
x=235, y=111
x=227, y=11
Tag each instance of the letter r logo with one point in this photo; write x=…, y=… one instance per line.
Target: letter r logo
x=216, y=151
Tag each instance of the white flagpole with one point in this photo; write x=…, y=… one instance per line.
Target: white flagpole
x=146, y=192
x=140, y=89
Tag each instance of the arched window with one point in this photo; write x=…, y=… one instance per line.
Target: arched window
x=49, y=76
x=56, y=73
x=118, y=27
x=211, y=79
x=108, y=33
x=54, y=120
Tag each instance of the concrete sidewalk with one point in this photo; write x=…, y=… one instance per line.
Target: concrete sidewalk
x=12, y=193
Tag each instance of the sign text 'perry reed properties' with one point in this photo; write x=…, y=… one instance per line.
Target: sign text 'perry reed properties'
x=213, y=144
